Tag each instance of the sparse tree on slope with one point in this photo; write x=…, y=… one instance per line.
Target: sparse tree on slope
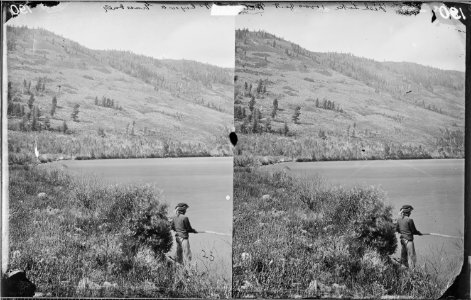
x=38, y=85
x=23, y=123
x=54, y=106
x=64, y=127
x=285, y=129
x=47, y=123
x=132, y=128
x=252, y=104
x=256, y=121
x=275, y=108
x=31, y=101
x=296, y=114
x=34, y=122
x=75, y=112
x=268, y=125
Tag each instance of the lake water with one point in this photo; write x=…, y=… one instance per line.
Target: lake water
x=435, y=188
x=203, y=183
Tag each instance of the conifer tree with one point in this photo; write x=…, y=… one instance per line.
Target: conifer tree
x=268, y=125
x=31, y=101
x=75, y=113
x=34, y=122
x=260, y=87
x=47, y=123
x=296, y=114
x=54, y=106
x=255, y=121
x=285, y=129
x=64, y=127
x=132, y=128
x=252, y=104
x=275, y=108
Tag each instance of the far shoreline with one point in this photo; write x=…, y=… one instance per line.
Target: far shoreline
x=272, y=160
x=26, y=164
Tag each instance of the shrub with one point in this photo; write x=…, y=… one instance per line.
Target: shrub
x=308, y=233
x=147, y=226
x=75, y=236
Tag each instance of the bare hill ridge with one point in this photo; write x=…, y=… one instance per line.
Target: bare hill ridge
x=169, y=106
x=349, y=107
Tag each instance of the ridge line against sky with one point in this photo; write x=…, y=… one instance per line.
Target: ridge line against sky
x=121, y=50
x=377, y=35
x=349, y=53
x=198, y=36
x=194, y=35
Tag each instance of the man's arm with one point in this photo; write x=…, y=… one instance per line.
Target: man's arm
x=172, y=224
x=412, y=228
x=188, y=227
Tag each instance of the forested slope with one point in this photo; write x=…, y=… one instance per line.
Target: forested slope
x=333, y=106
x=83, y=103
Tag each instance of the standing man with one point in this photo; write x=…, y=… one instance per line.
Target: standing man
x=406, y=227
x=181, y=225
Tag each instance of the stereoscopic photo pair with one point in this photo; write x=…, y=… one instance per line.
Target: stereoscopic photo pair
x=251, y=150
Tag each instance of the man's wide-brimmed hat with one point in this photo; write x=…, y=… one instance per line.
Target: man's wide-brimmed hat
x=407, y=208
x=182, y=205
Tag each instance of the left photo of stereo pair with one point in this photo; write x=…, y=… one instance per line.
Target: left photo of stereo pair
x=117, y=172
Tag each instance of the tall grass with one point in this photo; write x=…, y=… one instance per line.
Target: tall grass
x=305, y=238
x=312, y=148
x=88, y=238
x=92, y=146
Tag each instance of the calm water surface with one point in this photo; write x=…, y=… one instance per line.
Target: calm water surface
x=203, y=183
x=435, y=188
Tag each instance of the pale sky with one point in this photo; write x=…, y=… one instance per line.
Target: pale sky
x=377, y=35
x=173, y=34
x=196, y=35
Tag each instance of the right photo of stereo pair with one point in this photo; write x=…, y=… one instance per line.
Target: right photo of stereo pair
x=349, y=166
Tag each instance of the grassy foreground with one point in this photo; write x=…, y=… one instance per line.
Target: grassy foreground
x=80, y=237
x=294, y=238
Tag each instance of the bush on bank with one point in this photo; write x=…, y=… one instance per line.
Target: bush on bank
x=83, y=237
x=294, y=237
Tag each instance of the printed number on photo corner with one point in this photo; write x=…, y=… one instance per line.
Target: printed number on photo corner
x=19, y=9
x=446, y=12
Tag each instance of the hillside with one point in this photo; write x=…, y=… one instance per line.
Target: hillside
x=128, y=105
x=349, y=107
